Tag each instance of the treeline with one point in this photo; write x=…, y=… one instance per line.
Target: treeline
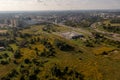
x=77, y=24
x=115, y=29
x=100, y=39
x=30, y=69
x=85, y=22
x=66, y=73
x=49, y=28
x=115, y=21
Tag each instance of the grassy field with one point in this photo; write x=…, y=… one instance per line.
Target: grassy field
x=107, y=22
x=80, y=63
x=3, y=31
x=101, y=49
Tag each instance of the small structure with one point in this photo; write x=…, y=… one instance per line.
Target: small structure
x=72, y=35
x=2, y=48
x=3, y=25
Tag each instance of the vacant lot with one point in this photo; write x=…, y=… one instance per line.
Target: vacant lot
x=3, y=31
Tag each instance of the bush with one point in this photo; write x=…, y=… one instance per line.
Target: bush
x=63, y=46
x=27, y=61
x=33, y=77
x=17, y=54
x=65, y=73
x=4, y=62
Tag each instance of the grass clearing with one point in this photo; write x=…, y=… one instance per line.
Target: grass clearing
x=101, y=49
x=3, y=31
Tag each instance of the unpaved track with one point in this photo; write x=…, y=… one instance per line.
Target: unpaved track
x=109, y=35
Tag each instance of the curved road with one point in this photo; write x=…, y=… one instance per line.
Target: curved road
x=109, y=35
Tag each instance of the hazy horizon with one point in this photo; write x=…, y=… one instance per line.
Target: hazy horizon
x=45, y=5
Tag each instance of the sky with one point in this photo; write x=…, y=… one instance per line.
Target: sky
x=37, y=5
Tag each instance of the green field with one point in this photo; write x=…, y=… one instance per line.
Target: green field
x=37, y=54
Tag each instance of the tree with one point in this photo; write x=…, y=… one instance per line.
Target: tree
x=5, y=55
x=104, y=53
x=4, y=62
x=17, y=54
x=33, y=77
x=27, y=61
x=22, y=78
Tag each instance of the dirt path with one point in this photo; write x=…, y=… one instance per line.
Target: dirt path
x=77, y=29
x=3, y=31
x=109, y=35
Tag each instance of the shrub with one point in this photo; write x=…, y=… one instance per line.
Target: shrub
x=4, y=62
x=17, y=54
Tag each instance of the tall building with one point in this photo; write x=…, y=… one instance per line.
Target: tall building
x=14, y=23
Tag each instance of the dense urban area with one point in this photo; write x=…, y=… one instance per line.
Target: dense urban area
x=60, y=45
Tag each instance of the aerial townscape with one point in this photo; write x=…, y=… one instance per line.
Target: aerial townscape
x=60, y=45
x=59, y=39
